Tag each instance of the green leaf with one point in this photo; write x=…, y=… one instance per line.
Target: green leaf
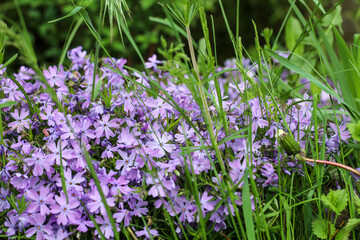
x=357, y=203
x=293, y=32
x=354, y=129
x=336, y=200
x=73, y=12
x=343, y=234
x=321, y=228
x=7, y=104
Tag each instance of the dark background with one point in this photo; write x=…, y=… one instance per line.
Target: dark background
x=48, y=38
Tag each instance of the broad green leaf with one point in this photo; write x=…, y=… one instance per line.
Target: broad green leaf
x=354, y=129
x=73, y=12
x=321, y=228
x=7, y=104
x=293, y=31
x=343, y=234
x=336, y=200
x=333, y=19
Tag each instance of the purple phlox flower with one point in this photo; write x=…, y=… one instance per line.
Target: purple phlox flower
x=171, y=165
x=4, y=203
x=96, y=203
x=237, y=144
x=161, y=107
x=185, y=132
x=267, y=170
x=32, y=183
x=126, y=139
x=342, y=132
x=200, y=164
x=152, y=62
x=159, y=184
x=66, y=211
x=146, y=156
x=72, y=183
x=123, y=215
x=272, y=129
x=128, y=101
x=24, y=144
x=104, y=125
x=104, y=177
x=59, y=118
x=83, y=225
x=61, y=92
x=206, y=204
x=141, y=79
x=185, y=208
x=49, y=115
x=39, y=228
x=105, y=226
x=11, y=223
x=40, y=162
x=138, y=207
x=5, y=173
x=160, y=142
x=70, y=132
x=20, y=122
x=108, y=153
x=77, y=56
x=2, y=69
x=55, y=76
x=127, y=162
x=55, y=149
x=40, y=201
x=237, y=169
x=59, y=235
x=79, y=155
x=85, y=131
x=120, y=186
x=14, y=94
x=333, y=143
x=147, y=232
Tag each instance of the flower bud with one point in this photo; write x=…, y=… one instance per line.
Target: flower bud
x=288, y=143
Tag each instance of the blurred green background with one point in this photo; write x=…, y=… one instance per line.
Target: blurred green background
x=48, y=38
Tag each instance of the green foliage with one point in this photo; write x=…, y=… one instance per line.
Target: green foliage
x=354, y=129
x=335, y=200
x=293, y=31
x=344, y=233
x=322, y=228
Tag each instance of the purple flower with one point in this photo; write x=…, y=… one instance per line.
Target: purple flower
x=60, y=235
x=41, y=200
x=96, y=203
x=4, y=204
x=160, y=142
x=105, y=227
x=161, y=107
x=185, y=208
x=20, y=121
x=206, y=204
x=73, y=184
x=120, y=185
x=138, y=208
x=67, y=211
x=40, y=162
x=83, y=225
x=123, y=214
x=11, y=224
x=39, y=227
x=152, y=62
x=104, y=125
x=55, y=149
x=55, y=76
x=147, y=233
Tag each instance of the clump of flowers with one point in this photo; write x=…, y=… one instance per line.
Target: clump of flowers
x=137, y=144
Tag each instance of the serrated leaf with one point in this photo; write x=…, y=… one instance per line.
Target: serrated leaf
x=343, y=234
x=321, y=228
x=335, y=200
x=354, y=129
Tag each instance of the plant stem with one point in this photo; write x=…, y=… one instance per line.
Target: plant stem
x=336, y=164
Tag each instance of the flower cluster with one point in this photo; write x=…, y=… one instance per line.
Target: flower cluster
x=139, y=146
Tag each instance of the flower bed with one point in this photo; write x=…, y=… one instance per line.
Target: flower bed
x=155, y=163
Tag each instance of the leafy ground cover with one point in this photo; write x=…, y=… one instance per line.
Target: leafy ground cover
x=184, y=148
